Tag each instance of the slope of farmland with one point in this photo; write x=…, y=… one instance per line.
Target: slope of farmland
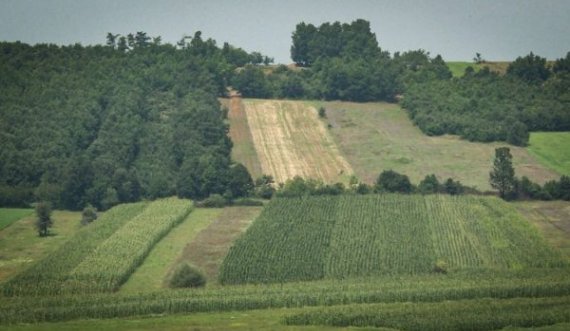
x=379, y=136
x=290, y=140
x=351, y=236
x=102, y=256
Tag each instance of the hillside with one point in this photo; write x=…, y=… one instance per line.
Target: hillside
x=353, y=236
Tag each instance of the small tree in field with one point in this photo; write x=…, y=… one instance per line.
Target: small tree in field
x=43, y=222
x=88, y=215
x=502, y=178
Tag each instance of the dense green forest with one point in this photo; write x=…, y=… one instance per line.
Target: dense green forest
x=485, y=106
x=132, y=119
x=341, y=62
x=345, y=62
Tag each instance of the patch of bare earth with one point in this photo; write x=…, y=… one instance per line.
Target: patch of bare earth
x=211, y=245
x=290, y=141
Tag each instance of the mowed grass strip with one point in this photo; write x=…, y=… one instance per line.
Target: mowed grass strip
x=210, y=246
x=151, y=274
x=11, y=215
x=243, y=150
x=346, y=236
x=380, y=136
x=21, y=247
x=552, y=149
x=290, y=141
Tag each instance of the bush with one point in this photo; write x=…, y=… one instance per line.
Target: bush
x=391, y=181
x=247, y=202
x=213, y=201
x=186, y=276
x=88, y=215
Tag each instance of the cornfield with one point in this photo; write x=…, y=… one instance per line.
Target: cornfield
x=103, y=255
x=320, y=237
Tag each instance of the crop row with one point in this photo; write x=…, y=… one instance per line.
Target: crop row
x=469, y=315
x=110, y=259
x=46, y=275
x=320, y=237
x=427, y=288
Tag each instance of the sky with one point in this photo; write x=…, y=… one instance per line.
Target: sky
x=456, y=29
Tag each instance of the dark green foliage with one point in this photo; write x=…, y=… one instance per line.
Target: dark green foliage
x=213, y=201
x=247, y=202
x=452, y=187
x=112, y=124
x=322, y=112
x=502, y=177
x=43, y=221
x=531, y=68
x=391, y=181
x=298, y=187
x=88, y=215
x=429, y=185
x=240, y=183
x=186, y=276
x=485, y=106
x=264, y=187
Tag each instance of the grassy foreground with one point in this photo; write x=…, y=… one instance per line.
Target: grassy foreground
x=552, y=149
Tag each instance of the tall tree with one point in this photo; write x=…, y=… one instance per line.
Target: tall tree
x=502, y=178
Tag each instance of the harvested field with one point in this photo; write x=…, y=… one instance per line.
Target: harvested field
x=243, y=150
x=290, y=141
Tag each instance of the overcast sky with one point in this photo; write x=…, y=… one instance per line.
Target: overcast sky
x=456, y=29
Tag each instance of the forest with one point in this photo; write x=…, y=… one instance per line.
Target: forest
x=115, y=123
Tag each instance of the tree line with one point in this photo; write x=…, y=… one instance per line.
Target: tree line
x=115, y=123
x=485, y=106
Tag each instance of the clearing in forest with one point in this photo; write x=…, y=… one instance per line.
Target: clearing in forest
x=380, y=136
x=290, y=141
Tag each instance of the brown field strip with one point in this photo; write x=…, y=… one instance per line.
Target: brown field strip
x=211, y=245
x=290, y=141
x=243, y=150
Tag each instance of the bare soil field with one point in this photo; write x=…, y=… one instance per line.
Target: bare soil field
x=290, y=141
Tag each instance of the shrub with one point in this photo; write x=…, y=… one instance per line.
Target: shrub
x=186, y=276
x=213, y=201
x=88, y=215
x=247, y=202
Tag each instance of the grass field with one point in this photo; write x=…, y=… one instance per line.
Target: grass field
x=290, y=140
x=552, y=218
x=552, y=149
x=11, y=215
x=379, y=136
x=354, y=236
x=20, y=245
x=151, y=275
x=457, y=68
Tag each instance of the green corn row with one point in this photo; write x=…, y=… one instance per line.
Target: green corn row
x=320, y=237
x=102, y=256
x=465, y=315
x=427, y=288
